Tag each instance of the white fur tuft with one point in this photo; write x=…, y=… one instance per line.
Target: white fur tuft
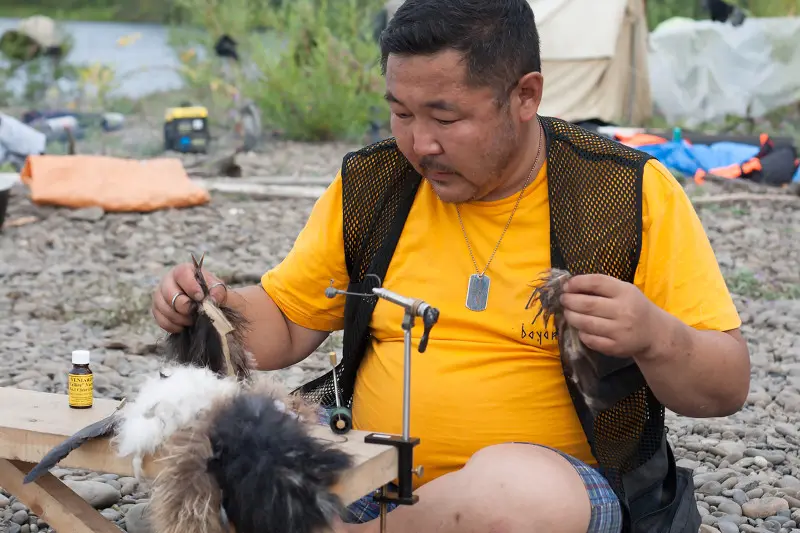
x=166, y=404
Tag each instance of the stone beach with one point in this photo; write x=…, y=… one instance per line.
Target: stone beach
x=82, y=279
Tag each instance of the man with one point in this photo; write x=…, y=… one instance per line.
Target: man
x=501, y=444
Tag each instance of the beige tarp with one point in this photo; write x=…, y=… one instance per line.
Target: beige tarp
x=594, y=60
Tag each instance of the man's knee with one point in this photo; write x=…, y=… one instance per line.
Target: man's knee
x=537, y=481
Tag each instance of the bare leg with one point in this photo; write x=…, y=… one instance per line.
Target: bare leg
x=508, y=488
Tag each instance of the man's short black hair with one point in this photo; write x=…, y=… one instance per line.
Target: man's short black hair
x=498, y=38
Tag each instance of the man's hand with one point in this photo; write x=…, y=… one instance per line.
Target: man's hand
x=173, y=298
x=678, y=361
x=612, y=316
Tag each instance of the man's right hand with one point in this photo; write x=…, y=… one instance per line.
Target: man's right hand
x=174, y=298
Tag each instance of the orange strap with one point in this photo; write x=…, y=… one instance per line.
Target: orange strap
x=733, y=171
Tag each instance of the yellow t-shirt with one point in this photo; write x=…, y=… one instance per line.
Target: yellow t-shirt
x=486, y=377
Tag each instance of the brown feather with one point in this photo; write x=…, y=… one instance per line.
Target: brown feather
x=578, y=365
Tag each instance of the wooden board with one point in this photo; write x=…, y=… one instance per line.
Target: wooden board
x=53, y=501
x=31, y=423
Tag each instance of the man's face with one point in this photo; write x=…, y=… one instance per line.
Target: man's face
x=456, y=136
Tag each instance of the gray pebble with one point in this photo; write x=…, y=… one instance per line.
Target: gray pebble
x=20, y=517
x=711, y=488
x=111, y=514
x=715, y=500
x=727, y=527
x=788, y=481
x=729, y=483
x=747, y=485
x=97, y=494
x=136, y=519
x=730, y=508
x=128, y=488
x=739, y=496
x=764, y=507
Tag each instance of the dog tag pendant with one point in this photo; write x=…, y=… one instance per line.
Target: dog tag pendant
x=477, y=292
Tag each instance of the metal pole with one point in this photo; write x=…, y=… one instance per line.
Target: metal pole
x=383, y=510
x=408, y=323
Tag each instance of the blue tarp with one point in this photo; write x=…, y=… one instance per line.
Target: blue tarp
x=688, y=158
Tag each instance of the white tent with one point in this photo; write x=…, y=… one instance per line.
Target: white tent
x=594, y=60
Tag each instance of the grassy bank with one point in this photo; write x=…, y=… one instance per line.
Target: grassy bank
x=166, y=11
x=156, y=11
x=91, y=14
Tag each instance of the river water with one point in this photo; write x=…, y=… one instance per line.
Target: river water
x=97, y=42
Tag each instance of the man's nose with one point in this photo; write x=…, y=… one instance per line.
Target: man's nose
x=425, y=142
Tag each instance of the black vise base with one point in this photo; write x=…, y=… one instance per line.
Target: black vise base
x=405, y=467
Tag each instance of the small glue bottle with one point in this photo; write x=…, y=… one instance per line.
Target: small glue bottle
x=80, y=385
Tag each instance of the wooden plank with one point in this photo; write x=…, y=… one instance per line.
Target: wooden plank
x=53, y=501
x=322, y=181
x=258, y=191
x=32, y=422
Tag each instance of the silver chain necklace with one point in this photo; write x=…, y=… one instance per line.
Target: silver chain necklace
x=478, y=286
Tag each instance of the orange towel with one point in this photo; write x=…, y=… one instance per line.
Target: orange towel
x=115, y=184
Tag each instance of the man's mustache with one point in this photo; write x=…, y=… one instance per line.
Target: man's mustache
x=428, y=164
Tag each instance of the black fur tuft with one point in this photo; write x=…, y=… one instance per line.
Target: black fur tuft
x=200, y=344
x=273, y=475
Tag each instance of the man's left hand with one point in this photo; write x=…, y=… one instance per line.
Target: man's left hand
x=613, y=317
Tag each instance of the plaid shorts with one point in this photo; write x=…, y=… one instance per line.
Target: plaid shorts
x=606, y=514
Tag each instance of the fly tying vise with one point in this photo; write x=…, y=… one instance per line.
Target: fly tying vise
x=413, y=308
x=234, y=446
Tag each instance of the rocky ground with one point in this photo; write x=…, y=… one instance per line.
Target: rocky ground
x=82, y=280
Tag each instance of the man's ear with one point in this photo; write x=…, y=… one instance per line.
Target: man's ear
x=529, y=95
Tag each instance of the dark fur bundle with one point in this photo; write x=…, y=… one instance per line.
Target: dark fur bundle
x=249, y=464
x=274, y=476
x=578, y=362
x=200, y=344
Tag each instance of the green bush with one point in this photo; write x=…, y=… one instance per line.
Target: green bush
x=311, y=66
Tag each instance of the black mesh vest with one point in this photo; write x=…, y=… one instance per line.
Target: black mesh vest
x=595, y=195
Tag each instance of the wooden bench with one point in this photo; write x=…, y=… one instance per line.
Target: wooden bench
x=31, y=423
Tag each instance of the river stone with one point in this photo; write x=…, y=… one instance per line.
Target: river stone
x=727, y=527
x=729, y=507
x=764, y=507
x=97, y=494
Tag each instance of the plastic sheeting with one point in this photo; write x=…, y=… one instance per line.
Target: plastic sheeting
x=18, y=141
x=701, y=71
